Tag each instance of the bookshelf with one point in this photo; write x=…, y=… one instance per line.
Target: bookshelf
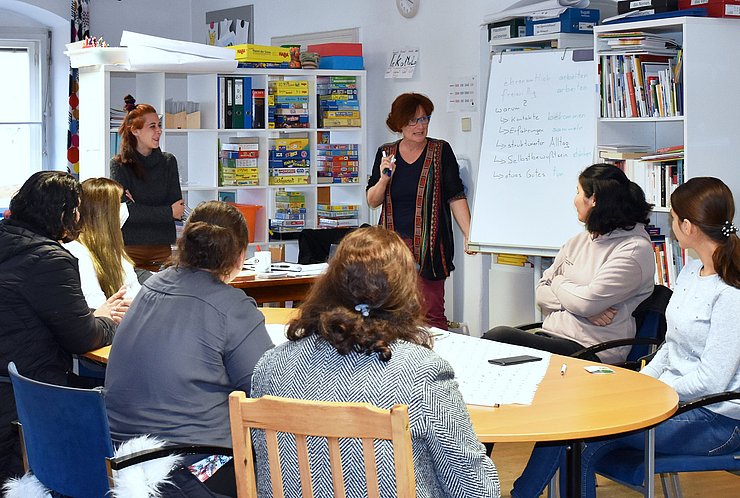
x=707, y=115
x=197, y=149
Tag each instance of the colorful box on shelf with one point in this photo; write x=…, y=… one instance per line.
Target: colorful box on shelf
x=93, y=56
x=503, y=30
x=715, y=8
x=341, y=62
x=250, y=52
x=652, y=6
x=570, y=21
x=331, y=49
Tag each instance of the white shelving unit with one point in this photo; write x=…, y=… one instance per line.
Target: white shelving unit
x=707, y=127
x=104, y=86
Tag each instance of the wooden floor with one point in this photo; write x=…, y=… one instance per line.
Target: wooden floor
x=510, y=459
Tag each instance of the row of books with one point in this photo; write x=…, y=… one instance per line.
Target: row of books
x=290, y=212
x=238, y=162
x=640, y=85
x=338, y=102
x=240, y=105
x=338, y=215
x=658, y=179
x=287, y=104
x=289, y=161
x=669, y=257
x=337, y=163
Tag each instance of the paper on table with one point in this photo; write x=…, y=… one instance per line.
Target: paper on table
x=142, y=58
x=131, y=39
x=276, y=331
x=484, y=384
x=315, y=269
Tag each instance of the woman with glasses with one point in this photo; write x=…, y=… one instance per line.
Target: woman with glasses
x=417, y=182
x=152, y=187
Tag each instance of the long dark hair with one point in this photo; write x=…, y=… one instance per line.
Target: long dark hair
x=134, y=120
x=368, y=298
x=707, y=203
x=214, y=237
x=620, y=203
x=48, y=201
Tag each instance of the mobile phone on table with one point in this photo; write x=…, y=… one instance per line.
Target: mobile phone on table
x=514, y=360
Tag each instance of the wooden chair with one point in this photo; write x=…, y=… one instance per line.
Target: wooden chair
x=321, y=419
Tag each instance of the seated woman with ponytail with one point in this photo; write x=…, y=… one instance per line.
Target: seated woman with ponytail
x=358, y=339
x=701, y=352
x=189, y=340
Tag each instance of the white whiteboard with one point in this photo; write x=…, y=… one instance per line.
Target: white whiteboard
x=538, y=135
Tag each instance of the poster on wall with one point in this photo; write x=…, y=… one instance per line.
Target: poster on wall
x=462, y=94
x=402, y=63
x=228, y=27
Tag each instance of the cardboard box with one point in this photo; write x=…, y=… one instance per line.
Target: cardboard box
x=250, y=52
x=503, y=30
x=329, y=49
x=570, y=21
x=715, y=8
x=181, y=120
x=656, y=6
x=341, y=62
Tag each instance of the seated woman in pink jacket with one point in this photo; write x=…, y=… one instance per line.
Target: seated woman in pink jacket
x=599, y=276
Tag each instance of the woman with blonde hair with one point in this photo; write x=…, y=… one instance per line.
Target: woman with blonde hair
x=104, y=265
x=358, y=339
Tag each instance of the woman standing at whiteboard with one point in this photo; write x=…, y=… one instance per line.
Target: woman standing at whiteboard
x=417, y=181
x=599, y=276
x=152, y=187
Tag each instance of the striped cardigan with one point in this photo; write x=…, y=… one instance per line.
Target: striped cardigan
x=449, y=461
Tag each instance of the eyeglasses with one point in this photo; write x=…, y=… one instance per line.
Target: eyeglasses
x=420, y=120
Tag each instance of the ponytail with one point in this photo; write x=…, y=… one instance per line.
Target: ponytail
x=726, y=259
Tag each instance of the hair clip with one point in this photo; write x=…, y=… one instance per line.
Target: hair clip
x=728, y=228
x=363, y=309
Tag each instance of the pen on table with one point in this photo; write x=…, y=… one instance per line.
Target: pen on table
x=563, y=369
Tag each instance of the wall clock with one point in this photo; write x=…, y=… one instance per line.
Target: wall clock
x=408, y=8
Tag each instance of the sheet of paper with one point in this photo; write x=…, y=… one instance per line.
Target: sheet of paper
x=276, y=332
x=484, y=384
x=141, y=58
x=131, y=39
x=402, y=63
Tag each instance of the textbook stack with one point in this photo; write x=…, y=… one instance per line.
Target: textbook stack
x=289, y=162
x=337, y=163
x=669, y=257
x=290, y=212
x=338, y=215
x=287, y=102
x=238, y=162
x=338, y=103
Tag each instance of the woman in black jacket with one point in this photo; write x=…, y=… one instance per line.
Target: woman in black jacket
x=43, y=312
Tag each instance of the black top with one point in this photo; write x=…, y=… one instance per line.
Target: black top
x=403, y=192
x=150, y=219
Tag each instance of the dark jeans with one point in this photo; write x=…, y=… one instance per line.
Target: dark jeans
x=541, y=340
x=222, y=484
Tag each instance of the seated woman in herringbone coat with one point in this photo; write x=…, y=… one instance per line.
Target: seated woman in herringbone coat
x=358, y=339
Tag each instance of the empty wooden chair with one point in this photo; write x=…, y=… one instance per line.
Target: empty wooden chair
x=328, y=420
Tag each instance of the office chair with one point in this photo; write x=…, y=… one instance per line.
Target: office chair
x=650, y=324
x=66, y=438
x=630, y=466
x=318, y=419
x=314, y=244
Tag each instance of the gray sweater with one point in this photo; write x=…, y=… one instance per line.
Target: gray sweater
x=187, y=341
x=701, y=353
x=150, y=219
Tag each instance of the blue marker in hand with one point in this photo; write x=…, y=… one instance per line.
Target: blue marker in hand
x=387, y=171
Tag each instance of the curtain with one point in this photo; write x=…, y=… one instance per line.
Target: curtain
x=79, y=29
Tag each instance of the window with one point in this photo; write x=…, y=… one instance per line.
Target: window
x=22, y=131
